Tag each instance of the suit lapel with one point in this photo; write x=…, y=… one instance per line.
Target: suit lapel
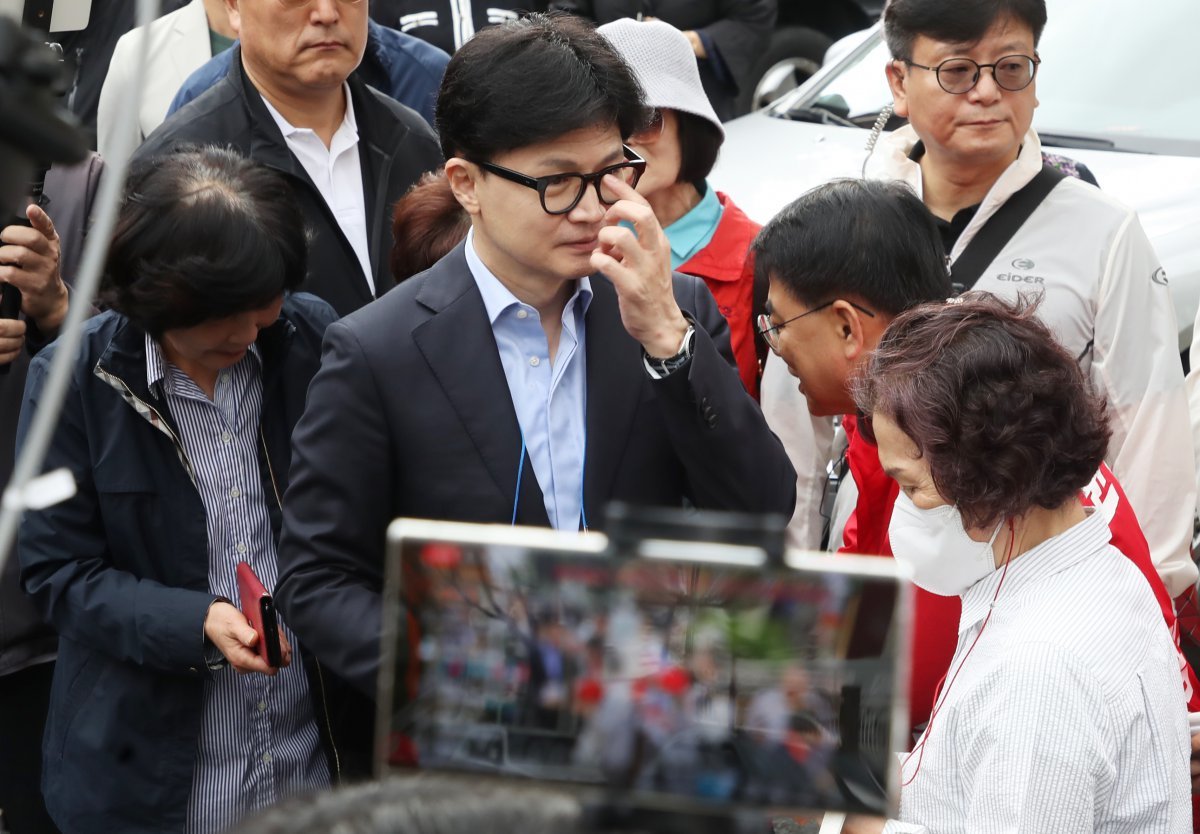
x=613, y=369
x=459, y=347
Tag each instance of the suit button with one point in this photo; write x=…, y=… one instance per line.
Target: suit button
x=711, y=419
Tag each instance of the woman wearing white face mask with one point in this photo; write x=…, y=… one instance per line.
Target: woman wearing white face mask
x=1062, y=708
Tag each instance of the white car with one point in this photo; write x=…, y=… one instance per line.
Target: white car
x=1115, y=92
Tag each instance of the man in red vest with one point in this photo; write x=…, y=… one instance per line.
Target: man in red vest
x=843, y=260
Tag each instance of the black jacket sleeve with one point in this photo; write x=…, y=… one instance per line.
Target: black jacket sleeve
x=67, y=565
x=741, y=33
x=330, y=572
x=732, y=459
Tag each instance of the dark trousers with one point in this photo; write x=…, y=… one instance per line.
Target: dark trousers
x=24, y=697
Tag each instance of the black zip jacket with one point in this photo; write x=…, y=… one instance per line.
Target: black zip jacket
x=395, y=147
x=121, y=572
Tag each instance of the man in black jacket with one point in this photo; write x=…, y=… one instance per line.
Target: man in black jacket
x=349, y=152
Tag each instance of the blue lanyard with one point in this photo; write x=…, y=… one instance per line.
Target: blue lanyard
x=521, y=474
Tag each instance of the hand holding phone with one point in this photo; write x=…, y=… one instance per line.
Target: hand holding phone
x=258, y=606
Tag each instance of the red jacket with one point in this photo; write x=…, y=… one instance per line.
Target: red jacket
x=727, y=268
x=935, y=621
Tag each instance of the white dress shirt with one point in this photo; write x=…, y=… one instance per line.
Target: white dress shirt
x=1068, y=715
x=337, y=174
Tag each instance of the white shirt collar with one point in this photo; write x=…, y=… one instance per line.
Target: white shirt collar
x=347, y=130
x=1046, y=559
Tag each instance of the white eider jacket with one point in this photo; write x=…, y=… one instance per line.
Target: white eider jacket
x=1106, y=299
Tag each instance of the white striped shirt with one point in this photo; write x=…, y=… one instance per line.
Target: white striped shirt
x=1068, y=715
x=258, y=737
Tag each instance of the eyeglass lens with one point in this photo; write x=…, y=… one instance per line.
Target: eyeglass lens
x=1012, y=73
x=562, y=193
x=768, y=331
x=654, y=126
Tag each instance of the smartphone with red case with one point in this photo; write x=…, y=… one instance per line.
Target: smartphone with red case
x=259, y=608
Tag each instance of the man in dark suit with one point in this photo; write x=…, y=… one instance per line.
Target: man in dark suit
x=506, y=384
x=291, y=102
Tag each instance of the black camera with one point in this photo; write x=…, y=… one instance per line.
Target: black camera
x=37, y=130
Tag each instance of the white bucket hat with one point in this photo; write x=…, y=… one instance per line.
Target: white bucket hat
x=664, y=64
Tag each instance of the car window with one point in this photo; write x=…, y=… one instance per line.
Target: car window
x=1107, y=74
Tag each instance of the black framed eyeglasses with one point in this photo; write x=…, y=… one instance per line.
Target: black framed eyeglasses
x=960, y=75
x=560, y=193
x=770, y=332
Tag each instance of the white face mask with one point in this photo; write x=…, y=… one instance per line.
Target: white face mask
x=935, y=546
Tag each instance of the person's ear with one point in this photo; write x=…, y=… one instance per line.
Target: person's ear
x=898, y=77
x=463, y=177
x=854, y=336
x=235, y=16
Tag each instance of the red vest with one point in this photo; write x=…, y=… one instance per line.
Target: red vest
x=727, y=268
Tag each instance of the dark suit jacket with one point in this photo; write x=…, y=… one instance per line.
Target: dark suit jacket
x=410, y=415
x=395, y=147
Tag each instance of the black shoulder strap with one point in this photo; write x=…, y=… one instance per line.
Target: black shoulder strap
x=1000, y=228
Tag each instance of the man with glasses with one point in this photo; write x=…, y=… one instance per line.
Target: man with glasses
x=290, y=101
x=964, y=74
x=550, y=364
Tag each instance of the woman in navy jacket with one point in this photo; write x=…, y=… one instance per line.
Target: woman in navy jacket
x=122, y=569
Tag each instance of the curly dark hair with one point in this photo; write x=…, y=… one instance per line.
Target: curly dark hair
x=996, y=406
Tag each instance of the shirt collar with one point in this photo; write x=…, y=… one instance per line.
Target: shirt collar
x=156, y=363
x=157, y=376
x=349, y=123
x=691, y=232
x=1052, y=556
x=498, y=298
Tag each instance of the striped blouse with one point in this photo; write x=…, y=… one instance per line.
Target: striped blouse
x=258, y=739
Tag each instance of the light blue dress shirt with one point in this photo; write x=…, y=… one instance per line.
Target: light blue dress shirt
x=692, y=232
x=550, y=399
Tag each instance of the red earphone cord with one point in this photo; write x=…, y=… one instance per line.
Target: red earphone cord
x=938, y=689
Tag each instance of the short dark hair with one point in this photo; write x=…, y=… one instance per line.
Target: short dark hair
x=533, y=80
x=699, y=145
x=202, y=234
x=424, y=804
x=954, y=21
x=872, y=239
x=427, y=223
x=997, y=407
